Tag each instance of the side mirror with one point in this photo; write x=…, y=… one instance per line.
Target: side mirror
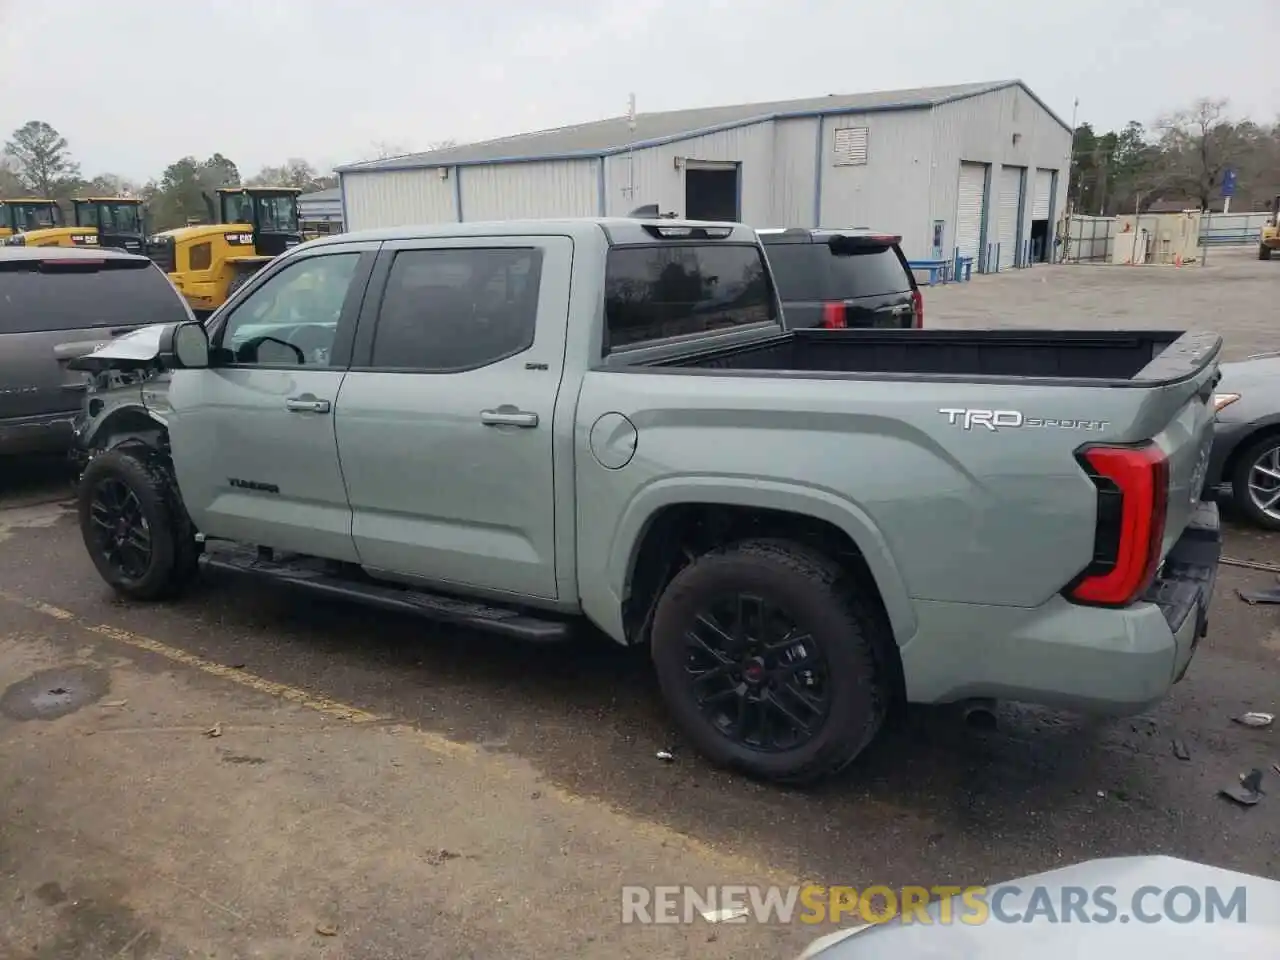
x=188, y=346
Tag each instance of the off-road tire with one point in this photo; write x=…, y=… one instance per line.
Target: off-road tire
x=844, y=620
x=1240, y=482
x=175, y=554
x=1264, y=252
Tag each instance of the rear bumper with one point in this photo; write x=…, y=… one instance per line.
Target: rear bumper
x=1087, y=659
x=42, y=433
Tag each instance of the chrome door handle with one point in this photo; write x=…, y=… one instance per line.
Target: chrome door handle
x=506, y=416
x=306, y=405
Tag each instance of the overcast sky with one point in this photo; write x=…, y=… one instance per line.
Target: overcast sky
x=136, y=84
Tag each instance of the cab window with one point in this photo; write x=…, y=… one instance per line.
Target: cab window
x=291, y=320
x=449, y=310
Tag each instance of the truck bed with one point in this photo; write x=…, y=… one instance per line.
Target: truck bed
x=1085, y=357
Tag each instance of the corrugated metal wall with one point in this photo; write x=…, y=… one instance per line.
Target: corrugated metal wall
x=909, y=180
x=795, y=150
x=890, y=191
x=658, y=180
x=981, y=130
x=510, y=191
x=397, y=198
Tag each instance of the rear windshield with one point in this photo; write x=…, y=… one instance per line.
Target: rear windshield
x=810, y=271
x=74, y=295
x=673, y=289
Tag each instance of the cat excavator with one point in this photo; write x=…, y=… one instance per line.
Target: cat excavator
x=19, y=214
x=208, y=262
x=99, y=222
x=1269, y=239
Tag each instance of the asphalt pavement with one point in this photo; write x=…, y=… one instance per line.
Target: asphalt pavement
x=251, y=772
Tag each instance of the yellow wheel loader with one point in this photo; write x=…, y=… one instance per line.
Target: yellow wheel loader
x=99, y=222
x=21, y=214
x=1269, y=239
x=208, y=262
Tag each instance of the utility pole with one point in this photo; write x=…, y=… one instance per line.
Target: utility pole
x=631, y=149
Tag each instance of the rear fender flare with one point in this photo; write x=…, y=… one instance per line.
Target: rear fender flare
x=603, y=605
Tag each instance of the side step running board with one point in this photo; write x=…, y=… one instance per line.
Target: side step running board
x=466, y=613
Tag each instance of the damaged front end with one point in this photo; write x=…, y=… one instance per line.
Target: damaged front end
x=126, y=397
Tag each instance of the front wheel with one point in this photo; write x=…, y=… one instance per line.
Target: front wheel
x=770, y=660
x=134, y=525
x=1264, y=252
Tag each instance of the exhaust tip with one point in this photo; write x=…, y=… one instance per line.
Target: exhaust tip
x=979, y=714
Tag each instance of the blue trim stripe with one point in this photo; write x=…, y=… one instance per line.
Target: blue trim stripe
x=600, y=184
x=342, y=198
x=817, y=173
x=457, y=193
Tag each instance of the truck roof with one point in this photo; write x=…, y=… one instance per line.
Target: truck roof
x=615, y=229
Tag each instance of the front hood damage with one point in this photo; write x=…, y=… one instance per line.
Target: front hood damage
x=139, y=348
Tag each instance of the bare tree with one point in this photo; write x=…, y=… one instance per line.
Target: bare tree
x=386, y=149
x=1198, y=145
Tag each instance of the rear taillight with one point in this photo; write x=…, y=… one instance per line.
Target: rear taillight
x=917, y=309
x=833, y=316
x=1133, y=499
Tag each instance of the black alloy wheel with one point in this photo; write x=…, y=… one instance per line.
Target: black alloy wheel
x=757, y=677
x=120, y=529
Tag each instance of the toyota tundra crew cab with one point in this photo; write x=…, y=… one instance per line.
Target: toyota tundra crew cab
x=518, y=426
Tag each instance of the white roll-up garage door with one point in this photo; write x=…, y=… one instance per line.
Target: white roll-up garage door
x=1040, y=199
x=973, y=185
x=1007, y=214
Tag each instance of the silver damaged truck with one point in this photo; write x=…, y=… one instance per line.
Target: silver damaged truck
x=519, y=426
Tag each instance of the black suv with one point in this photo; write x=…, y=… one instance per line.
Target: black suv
x=842, y=278
x=56, y=304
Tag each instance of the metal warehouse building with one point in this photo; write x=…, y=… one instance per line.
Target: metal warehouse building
x=980, y=167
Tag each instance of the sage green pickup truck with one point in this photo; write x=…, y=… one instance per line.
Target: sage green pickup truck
x=525, y=425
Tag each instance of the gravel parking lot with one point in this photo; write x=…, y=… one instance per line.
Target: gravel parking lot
x=245, y=773
x=1232, y=292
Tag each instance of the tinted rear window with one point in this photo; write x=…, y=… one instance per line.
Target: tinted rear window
x=673, y=289
x=81, y=297
x=810, y=271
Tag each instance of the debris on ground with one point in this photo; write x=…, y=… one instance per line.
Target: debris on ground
x=1254, y=719
x=724, y=914
x=665, y=755
x=326, y=930
x=437, y=857
x=1180, y=749
x=114, y=703
x=1271, y=595
x=214, y=731
x=1248, y=791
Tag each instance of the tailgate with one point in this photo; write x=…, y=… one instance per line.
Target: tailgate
x=1186, y=442
x=1178, y=417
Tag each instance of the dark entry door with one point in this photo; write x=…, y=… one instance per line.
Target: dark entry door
x=711, y=193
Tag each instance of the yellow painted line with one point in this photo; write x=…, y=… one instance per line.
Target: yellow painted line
x=737, y=867
x=316, y=702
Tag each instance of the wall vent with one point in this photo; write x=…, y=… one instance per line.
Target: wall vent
x=851, y=146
